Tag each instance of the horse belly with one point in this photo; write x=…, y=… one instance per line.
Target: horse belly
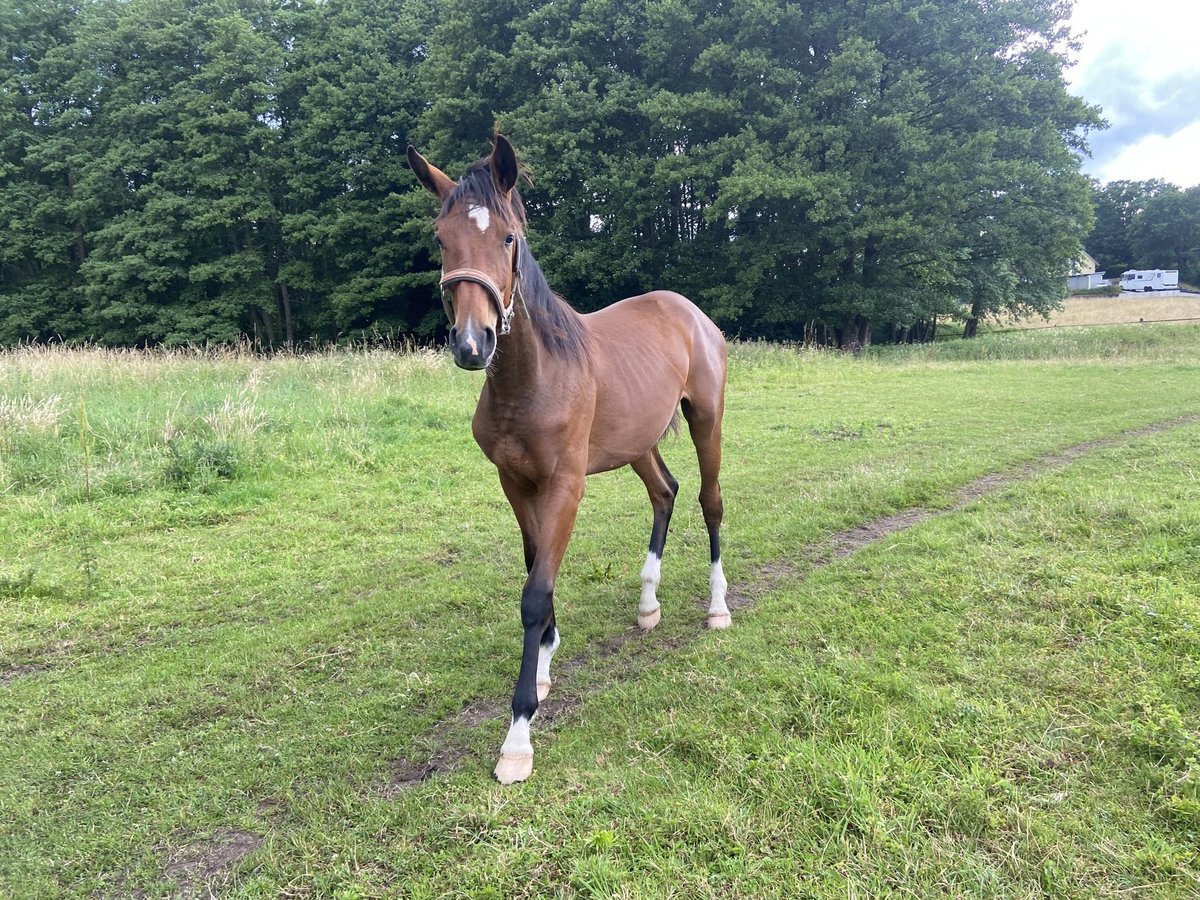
x=625, y=431
x=643, y=351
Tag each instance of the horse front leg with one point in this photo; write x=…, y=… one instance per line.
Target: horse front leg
x=522, y=498
x=554, y=509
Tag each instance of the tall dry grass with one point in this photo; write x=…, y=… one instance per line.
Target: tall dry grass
x=1082, y=311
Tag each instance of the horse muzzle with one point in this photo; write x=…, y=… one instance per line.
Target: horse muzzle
x=472, y=346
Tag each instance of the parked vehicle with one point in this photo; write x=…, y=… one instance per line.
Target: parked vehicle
x=1150, y=280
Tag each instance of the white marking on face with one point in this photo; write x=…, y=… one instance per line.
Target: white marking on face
x=651, y=575
x=518, y=738
x=474, y=347
x=480, y=216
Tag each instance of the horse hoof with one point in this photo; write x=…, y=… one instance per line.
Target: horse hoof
x=543, y=688
x=647, y=621
x=719, y=620
x=514, y=767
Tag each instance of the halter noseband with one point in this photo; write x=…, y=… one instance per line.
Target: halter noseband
x=482, y=278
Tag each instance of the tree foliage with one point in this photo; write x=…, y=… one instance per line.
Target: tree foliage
x=196, y=170
x=1116, y=204
x=1146, y=225
x=1166, y=233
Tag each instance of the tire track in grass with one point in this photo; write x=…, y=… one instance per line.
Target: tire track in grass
x=450, y=748
x=23, y=671
x=195, y=869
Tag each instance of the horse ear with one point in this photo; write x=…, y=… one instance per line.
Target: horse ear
x=504, y=164
x=435, y=180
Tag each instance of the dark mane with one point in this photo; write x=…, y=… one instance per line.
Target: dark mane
x=557, y=325
x=555, y=322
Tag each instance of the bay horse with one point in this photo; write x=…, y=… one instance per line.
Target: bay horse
x=567, y=395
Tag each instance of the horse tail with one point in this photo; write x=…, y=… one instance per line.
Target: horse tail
x=672, y=426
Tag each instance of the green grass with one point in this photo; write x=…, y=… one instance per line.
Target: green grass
x=1106, y=290
x=232, y=590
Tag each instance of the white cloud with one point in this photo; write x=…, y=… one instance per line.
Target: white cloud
x=1139, y=63
x=1161, y=32
x=1174, y=158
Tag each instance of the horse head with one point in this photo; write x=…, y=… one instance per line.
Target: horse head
x=479, y=231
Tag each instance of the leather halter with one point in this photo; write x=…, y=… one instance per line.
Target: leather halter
x=480, y=277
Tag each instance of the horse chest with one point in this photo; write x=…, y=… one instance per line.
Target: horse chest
x=532, y=446
x=510, y=453
x=517, y=451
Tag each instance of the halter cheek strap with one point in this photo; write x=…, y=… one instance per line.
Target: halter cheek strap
x=480, y=277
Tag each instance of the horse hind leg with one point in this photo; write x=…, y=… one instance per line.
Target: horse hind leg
x=704, y=423
x=662, y=488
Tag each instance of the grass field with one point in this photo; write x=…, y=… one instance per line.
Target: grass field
x=258, y=627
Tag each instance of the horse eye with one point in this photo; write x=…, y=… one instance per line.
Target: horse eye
x=508, y=240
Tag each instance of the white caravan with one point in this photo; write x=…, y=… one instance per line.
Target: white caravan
x=1150, y=280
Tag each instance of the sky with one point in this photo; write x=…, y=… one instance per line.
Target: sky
x=1140, y=62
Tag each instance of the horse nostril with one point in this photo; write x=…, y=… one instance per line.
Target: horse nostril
x=489, y=340
x=453, y=335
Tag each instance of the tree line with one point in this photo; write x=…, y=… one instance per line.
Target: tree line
x=1146, y=225
x=185, y=171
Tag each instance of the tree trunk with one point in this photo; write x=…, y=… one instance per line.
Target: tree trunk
x=854, y=333
x=268, y=327
x=285, y=301
x=972, y=325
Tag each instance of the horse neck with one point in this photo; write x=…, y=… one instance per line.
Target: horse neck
x=519, y=366
x=523, y=365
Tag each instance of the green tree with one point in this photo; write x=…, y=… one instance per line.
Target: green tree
x=198, y=170
x=181, y=147
x=41, y=223
x=354, y=254
x=789, y=165
x=1165, y=233
x=1117, y=204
